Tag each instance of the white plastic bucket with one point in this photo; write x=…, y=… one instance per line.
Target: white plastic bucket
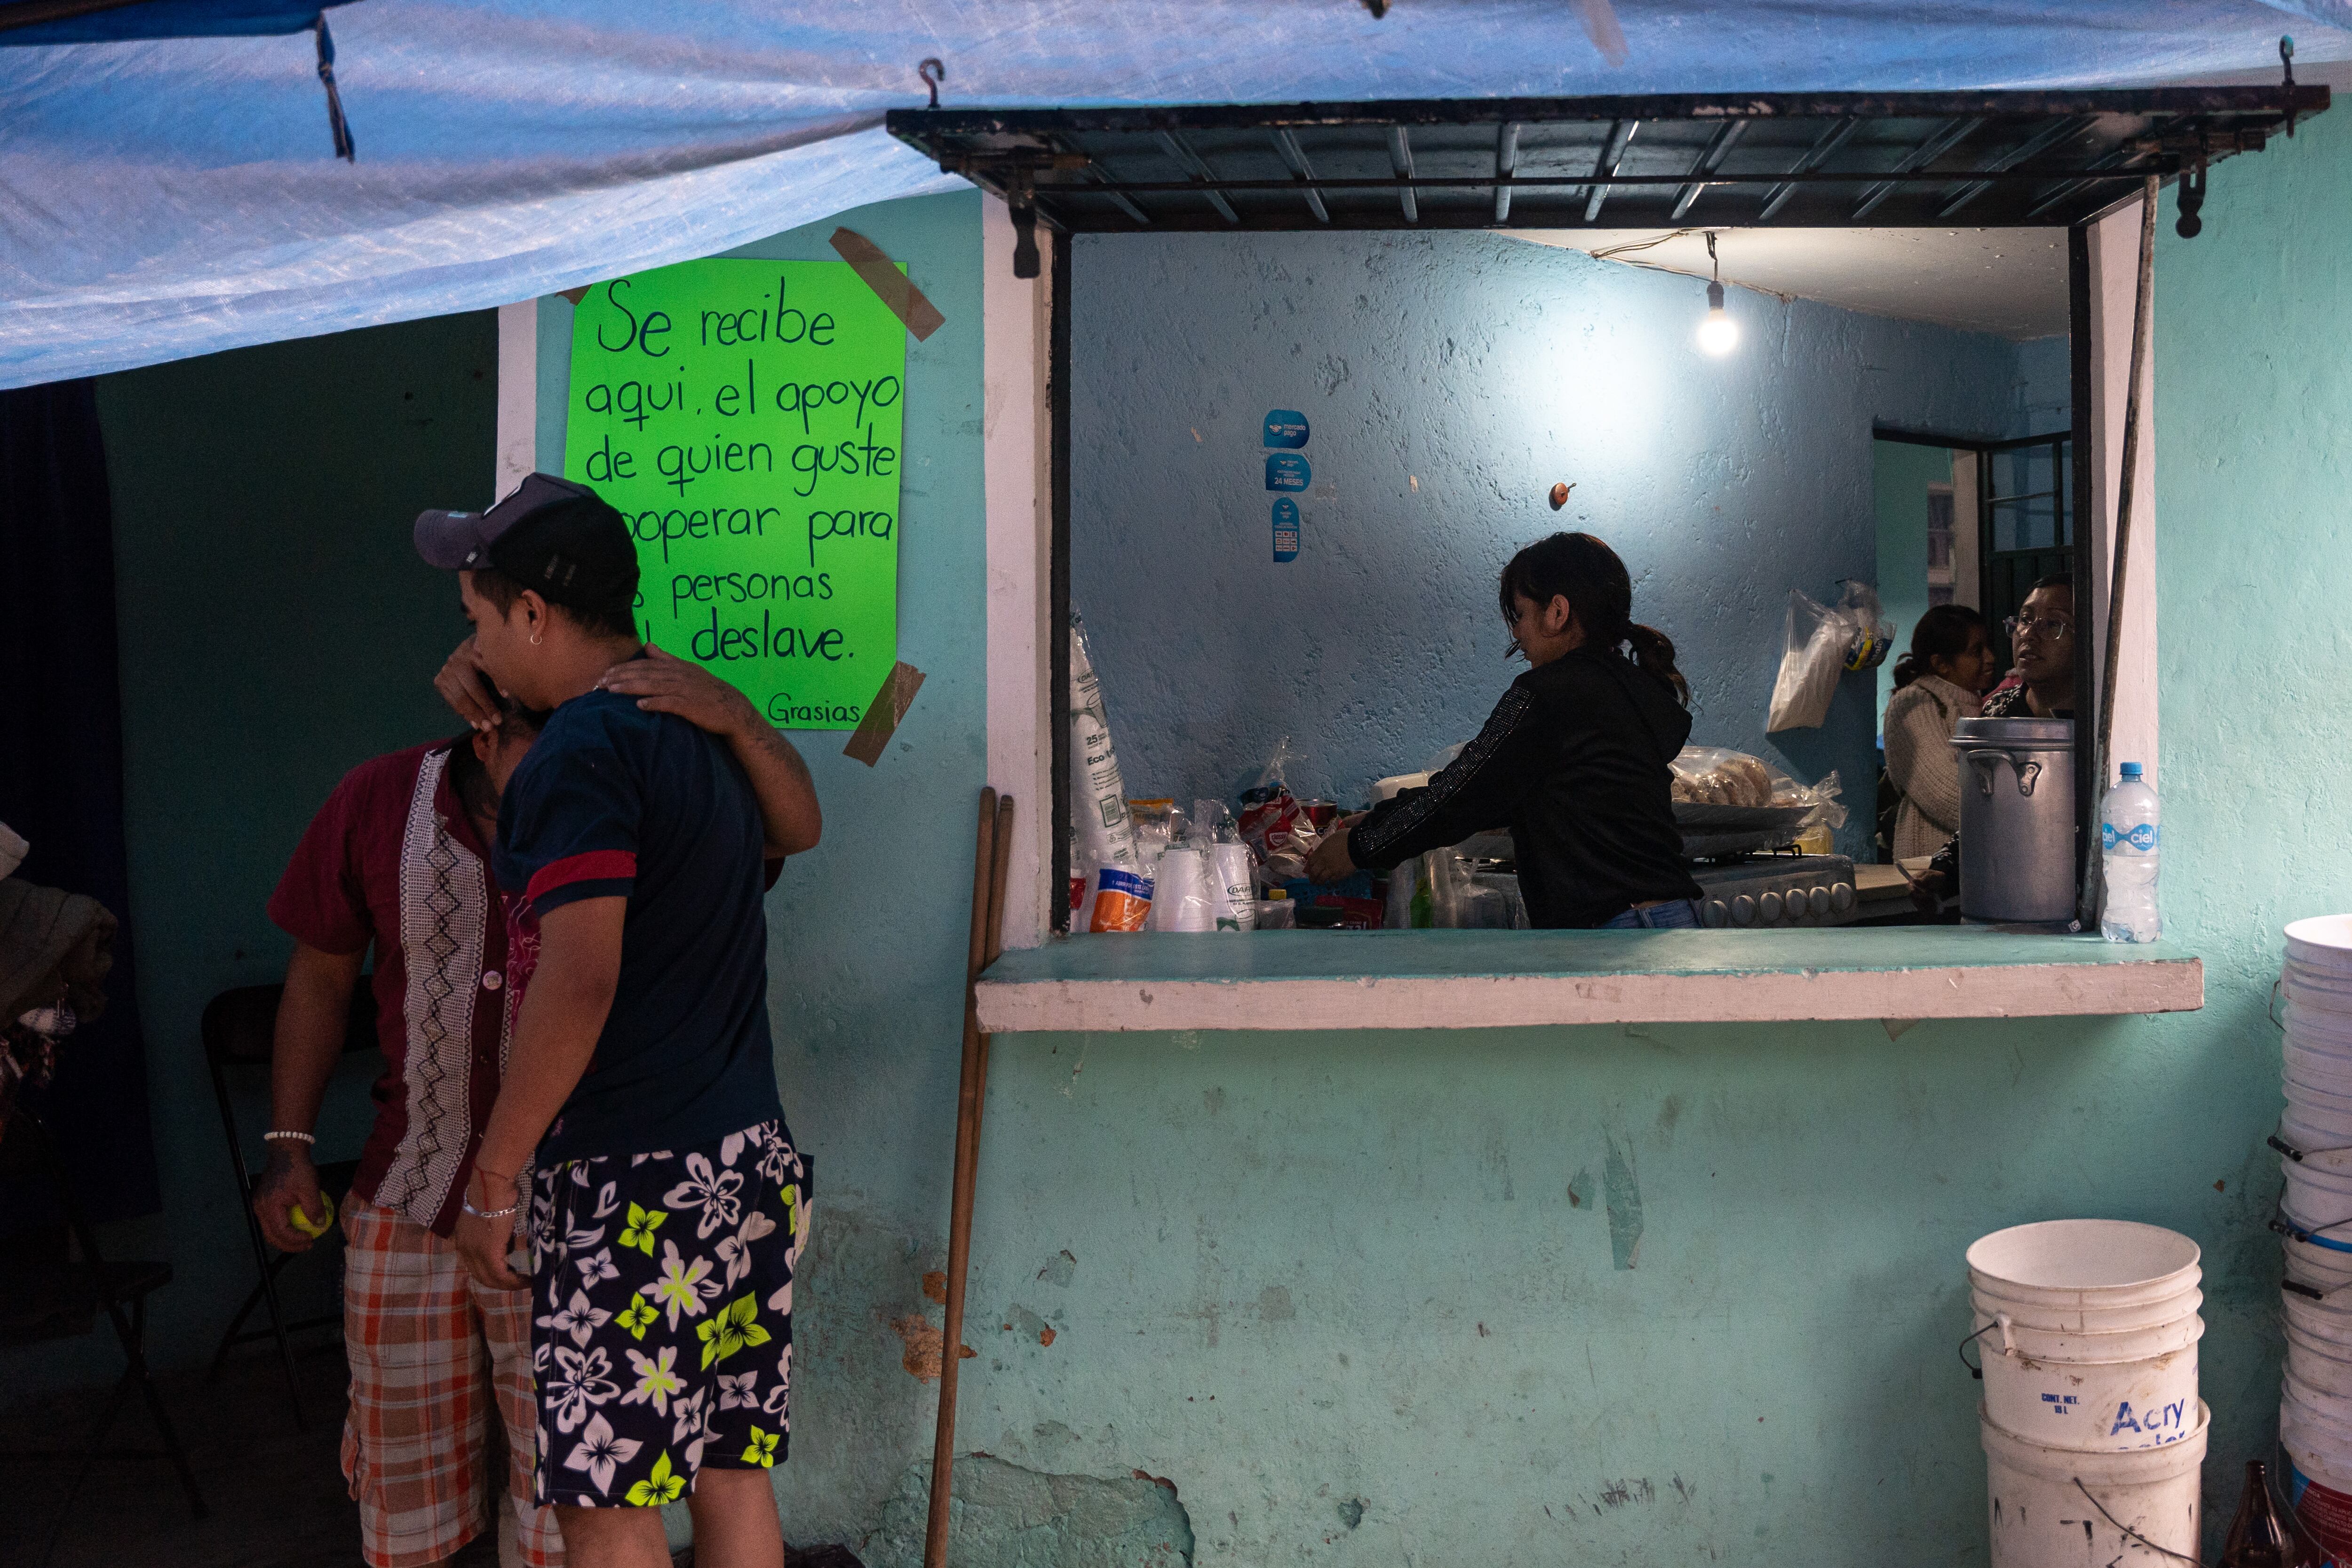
x=2317, y=1066
x=2328, y=1322
x=2313, y=1008
x=2323, y=1419
x=2323, y=1268
x=2318, y=1194
x=2322, y=1503
x=2323, y=941
x=2056, y=1319
x=2316, y=1135
x=2317, y=1364
x=2316, y=1023
x=2109, y=1392
x=2084, y=1263
x=2318, y=1120
x=2326, y=1445
x=2331, y=1098
x=2042, y=1501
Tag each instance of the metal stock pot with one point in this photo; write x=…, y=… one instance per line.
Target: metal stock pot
x=2017, y=818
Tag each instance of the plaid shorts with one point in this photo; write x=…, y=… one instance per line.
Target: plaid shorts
x=431, y=1352
x=662, y=1316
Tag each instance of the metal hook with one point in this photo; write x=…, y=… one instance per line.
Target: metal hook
x=933, y=70
x=2192, y=198
x=2286, y=58
x=1022, y=208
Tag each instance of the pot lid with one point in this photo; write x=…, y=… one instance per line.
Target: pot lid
x=2017, y=734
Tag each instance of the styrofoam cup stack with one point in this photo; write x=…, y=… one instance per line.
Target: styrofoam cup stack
x=2315, y=1404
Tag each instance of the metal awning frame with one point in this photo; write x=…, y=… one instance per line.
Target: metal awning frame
x=2036, y=159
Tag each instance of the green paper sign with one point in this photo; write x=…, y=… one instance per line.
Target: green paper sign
x=747, y=417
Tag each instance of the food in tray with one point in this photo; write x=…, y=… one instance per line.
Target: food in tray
x=1709, y=775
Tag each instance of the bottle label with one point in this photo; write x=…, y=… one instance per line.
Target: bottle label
x=2142, y=839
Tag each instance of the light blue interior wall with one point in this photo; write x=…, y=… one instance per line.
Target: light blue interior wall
x=2045, y=386
x=1900, y=474
x=1451, y=379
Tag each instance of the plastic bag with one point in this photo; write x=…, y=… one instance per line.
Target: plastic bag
x=1871, y=634
x=1812, y=657
x=1275, y=824
x=1818, y=645
x=1823, y=798
x=1714, y=775
x=1102, y=832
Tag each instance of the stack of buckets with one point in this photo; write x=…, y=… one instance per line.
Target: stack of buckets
x=2094, y=1435
x=2316, y=1212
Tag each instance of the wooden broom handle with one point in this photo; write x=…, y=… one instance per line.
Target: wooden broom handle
x=991, y=854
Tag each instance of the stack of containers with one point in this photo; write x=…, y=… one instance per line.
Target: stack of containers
x=2316, y=1212
x=2088, y=1332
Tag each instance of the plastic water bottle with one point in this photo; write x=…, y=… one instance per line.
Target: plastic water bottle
x=2130, y=841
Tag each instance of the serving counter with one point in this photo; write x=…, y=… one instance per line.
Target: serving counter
x=1496, y=978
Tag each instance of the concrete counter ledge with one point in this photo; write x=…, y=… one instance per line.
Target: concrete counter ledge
x=1471, y=979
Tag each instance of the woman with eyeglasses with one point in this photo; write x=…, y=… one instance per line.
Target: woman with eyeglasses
x=1573, y=760
x=2042, y=635
x=1939, y=682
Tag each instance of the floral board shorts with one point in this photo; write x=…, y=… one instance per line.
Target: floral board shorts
x=662, y=1316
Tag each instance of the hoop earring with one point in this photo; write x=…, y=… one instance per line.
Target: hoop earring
x=534, y=639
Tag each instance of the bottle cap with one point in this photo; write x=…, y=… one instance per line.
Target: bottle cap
x=2129, y=769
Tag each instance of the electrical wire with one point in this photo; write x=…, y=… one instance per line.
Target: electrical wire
x=1614, y=251
x=2133, y=1534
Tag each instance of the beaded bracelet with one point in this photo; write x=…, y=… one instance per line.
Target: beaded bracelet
x=284, y=1135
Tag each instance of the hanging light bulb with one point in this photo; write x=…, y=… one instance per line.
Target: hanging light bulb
x=1718, y=334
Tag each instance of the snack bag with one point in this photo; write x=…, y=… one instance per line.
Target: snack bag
x=1275, y=824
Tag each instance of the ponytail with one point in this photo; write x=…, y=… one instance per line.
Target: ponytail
x=1596, y=584
x=1654, y=651
x=1942, y=633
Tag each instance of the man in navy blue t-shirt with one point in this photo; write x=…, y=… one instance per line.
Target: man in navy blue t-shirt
x=667, y=1204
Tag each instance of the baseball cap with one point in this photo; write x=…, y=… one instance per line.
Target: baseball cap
x=560, y=539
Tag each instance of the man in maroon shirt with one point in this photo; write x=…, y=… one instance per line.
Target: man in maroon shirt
x=399, y=859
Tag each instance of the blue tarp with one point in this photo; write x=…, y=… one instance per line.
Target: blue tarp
x=176, y=19
x=161, y=199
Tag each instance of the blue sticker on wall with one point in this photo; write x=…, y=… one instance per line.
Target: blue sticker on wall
x=1286, y=529
x=1286, y=471
x=1286, y=427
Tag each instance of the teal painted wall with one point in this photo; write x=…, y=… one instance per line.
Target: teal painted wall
x=1361, y=1295
x=866, y=932
x=277, y=628
x=1900, y=474
x=1514, y=1296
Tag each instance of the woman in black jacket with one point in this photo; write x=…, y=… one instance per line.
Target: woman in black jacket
x=1574, y=758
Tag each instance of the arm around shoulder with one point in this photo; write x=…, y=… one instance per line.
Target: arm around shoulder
x=790, y=818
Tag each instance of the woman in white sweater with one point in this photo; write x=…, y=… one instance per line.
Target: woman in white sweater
x=1939, y=682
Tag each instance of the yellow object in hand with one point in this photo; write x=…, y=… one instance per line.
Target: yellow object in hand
x=326, y=1221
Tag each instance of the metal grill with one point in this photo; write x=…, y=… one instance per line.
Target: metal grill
x=1810, y=161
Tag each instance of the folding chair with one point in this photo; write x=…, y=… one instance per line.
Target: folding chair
x=59, y=1296
x=239, y=1029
